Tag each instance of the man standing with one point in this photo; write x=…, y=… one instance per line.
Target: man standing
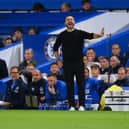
x=72, y=41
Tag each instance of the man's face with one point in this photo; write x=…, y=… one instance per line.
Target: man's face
x=104, y=63
x=116, y=50
x=69, y=22
x=28, y=55
x=86, y=6
x=90, y=55
x=36, y=75
x=30, y=68
x=121, y=74
x=54, y=68
x=14, y=73
x=18, y=35
x=52, y=80
x=114, y=61
x=95, y=72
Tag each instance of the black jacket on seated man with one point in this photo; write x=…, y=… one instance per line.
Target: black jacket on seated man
x=37, y=88
x=15, y=94
x=3, y=69
x=123, y=82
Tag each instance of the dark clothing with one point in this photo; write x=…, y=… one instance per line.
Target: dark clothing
x=59, y=76
x=114, y=70
x=37, y=89
x=15, y=94
x=3, y=69
x=104, y=71
x=72, y=50
x=122, y=59
x=60, y=90
x=72, y=44
x=124, y=82
x=25, y=63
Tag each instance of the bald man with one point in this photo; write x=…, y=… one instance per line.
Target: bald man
x=72, y=41
x=37, y=87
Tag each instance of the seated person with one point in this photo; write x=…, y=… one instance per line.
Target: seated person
x=56, y=90
x=122, y=77
x=38, y=7
x=104, y=65
x=18, y=35
x=66, y=7
x=15, y=91
x=28, y=59
x=86, y=5
x=116, y=51
x=114, y=65
x=95, y=71
x=91, y=90
x=54, y=69
x=37, y=87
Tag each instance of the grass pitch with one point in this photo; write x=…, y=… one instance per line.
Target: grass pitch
x=38, y=119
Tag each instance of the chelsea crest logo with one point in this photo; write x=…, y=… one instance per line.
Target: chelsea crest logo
x=48, y=48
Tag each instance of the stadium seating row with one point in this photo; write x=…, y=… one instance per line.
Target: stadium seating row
x=52, y=5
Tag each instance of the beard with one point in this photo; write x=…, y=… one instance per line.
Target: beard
x=70, y=26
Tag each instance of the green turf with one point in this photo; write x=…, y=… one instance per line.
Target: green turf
x=63, y=120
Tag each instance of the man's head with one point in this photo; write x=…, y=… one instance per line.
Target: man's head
x=104, y=62
x=52, y=79
x=91, y=55
x=15, y=73
x=70, y=22
x=8, y=41
x=95, y=70
x=36, y=75
x=116, y=49
x=121, y=73
x=114, y=61
x=66, y=7
x=18, y=35
x=86, y=5
x=30, y=68
x=54, y=68
x=28, y=54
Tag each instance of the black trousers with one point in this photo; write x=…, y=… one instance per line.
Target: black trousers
x=72, y=69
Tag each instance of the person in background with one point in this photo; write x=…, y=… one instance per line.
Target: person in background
x=38, y=7
x=122, y=77
x=3, y=69
x=37, y=87
x=28, y=59
x=91, y=55
x=104, y=63
x=32, y=31
x=91, y=90
x=114, y=65
x=54, y=69
x=95, y=71
x=15, y=91
x=86, y=5
x=17, y=35
x=116, y=51
x=8, y=41
x=56, y=90
x=66, y=7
